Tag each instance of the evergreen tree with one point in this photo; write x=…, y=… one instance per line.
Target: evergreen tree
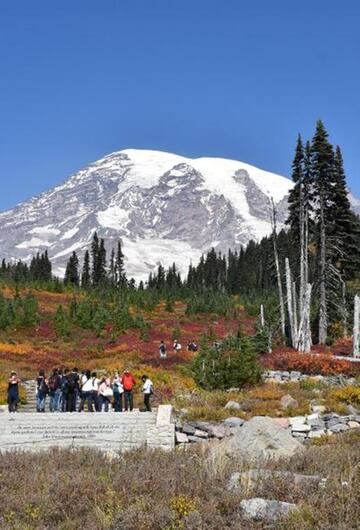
x=72, y=271
x=344, y=227
x=120, y=276
x=85, y=275
x=324, y=182
x=95, y=246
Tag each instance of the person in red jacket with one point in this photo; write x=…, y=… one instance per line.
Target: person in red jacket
x=128, y=382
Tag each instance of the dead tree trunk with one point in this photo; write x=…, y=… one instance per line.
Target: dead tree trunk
x=323, y=317
x=295, y=310
x=356, y=334
x=262, y=319
x=277, y=265
x=289, y=299
x=304, y=333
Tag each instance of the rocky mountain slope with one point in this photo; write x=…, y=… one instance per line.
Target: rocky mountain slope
x=165, y=208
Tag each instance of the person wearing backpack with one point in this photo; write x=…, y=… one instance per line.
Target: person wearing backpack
x=118, y=391
x=162, y=350
x=94, y=401
x=64, y=388
x=72, y=390
x=147, y=390
x=54, y=391
x=41, y=391
x=128, y=382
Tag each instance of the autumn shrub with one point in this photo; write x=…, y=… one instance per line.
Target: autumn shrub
x=349, y=394
x=311, y=364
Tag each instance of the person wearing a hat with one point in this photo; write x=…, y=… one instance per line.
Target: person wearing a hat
x=128, y=383
x=13, y=392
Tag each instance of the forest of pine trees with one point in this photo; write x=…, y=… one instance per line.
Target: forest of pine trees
x=321, y=243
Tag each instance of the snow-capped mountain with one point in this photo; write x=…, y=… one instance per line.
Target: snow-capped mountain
x=165, y=208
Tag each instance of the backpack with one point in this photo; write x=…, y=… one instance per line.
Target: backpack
x=42, y=386
x=72, y=382
x=53, y=383
x=163, y=348
x=64, y=384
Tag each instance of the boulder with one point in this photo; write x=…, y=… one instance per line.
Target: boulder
x=259, y=439
x=218, y=431
x=233, y=405
x=264, y=509
x=233, y=421
x=283, y=422
x=288, y=402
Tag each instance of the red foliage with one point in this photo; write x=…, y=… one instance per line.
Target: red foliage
x=307, y=363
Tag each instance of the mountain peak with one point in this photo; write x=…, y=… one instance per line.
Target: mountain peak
x=165, y=207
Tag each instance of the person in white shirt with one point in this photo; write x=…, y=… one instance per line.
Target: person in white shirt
x=147, y=390
x=176, y=346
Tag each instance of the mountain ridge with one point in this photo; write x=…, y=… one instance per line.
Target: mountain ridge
x=164, y=206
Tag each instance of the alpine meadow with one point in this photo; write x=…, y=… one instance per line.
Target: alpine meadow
x=180, y=318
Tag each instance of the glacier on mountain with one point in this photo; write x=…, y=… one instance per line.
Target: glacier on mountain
x=165, y=208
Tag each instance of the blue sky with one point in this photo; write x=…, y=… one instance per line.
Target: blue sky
x=231, y=78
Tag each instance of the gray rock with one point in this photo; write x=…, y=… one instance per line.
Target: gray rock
x=339, y=427
x=233, y=421
x=201, y=425
x=335, y=421
x=299, y=435
x=288, y=402
x=218, y=431
x=181, y=437
x=258, y=509
x=301, y=428
x=201, y=434
x=295, y=375
x=233, y=405
x=317, y=433
x=260, y=438
x=316, y=424
x=188, y=429
x=196, y=439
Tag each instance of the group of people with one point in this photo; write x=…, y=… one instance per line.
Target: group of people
x=71, y=391
x=191, y=346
